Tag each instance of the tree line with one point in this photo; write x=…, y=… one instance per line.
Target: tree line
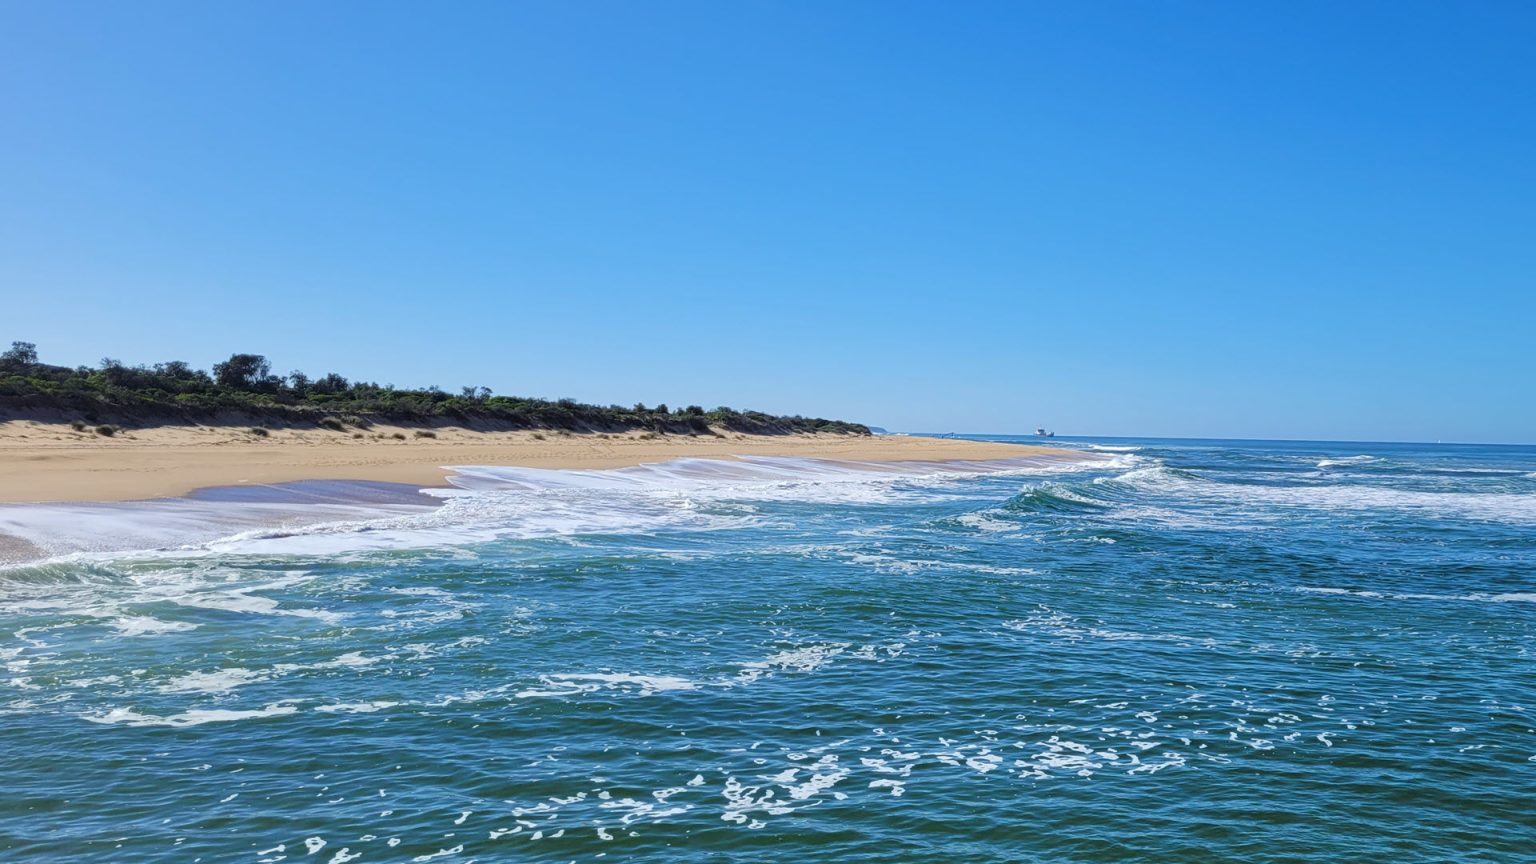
x=244, y=388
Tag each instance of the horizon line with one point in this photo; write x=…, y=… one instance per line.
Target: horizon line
x=1221, y=438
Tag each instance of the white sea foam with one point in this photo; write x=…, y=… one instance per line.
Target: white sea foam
x=491, y=502
x=806, y=658
x=217, y=681
x=194, y=717
x=172, y=524
x=1474, y=597
x=356, y=707
x=101, y=596
x=985, y=522
x=245, y=600
x=1513, y=597
x=1491, y=506
x=577, y=683
x=140, y=625
x=759, y=478
x=1348, y=460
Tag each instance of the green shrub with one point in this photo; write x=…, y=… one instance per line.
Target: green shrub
x=174, y=392
x=106, y=430
x=259, y=431
x=398, y=436
x=425, y=433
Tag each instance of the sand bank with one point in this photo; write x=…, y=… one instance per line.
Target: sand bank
x=54, y=462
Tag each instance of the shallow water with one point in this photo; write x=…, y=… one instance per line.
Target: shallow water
x=1187, y=651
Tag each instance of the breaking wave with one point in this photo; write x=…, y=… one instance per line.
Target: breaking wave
x=486, y=503
x=1347, y=460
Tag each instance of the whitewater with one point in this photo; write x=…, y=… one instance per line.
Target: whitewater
x=1144, y=650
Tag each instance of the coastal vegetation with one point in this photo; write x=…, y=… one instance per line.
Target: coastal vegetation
x=243, y=390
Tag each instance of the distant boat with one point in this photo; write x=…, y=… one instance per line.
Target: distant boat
x=1041, y=433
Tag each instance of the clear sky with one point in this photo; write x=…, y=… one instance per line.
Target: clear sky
x=1283, y=219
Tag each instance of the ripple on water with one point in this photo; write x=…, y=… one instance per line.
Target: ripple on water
x=1119, y=661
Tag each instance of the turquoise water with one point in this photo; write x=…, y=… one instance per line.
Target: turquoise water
x=1185, y=651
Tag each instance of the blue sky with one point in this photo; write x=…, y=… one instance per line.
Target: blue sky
x=1299, y=220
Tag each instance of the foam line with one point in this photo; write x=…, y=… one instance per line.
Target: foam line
x=484, y=502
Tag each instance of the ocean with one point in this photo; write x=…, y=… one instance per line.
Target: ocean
x=1183, y=650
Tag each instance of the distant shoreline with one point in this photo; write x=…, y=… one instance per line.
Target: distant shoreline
x=57, y=462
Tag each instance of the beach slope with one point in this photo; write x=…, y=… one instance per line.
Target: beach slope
x=48, y=462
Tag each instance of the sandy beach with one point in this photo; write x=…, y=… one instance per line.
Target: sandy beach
x=47, y=462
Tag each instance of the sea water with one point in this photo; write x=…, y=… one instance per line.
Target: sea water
x=1177, y=651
